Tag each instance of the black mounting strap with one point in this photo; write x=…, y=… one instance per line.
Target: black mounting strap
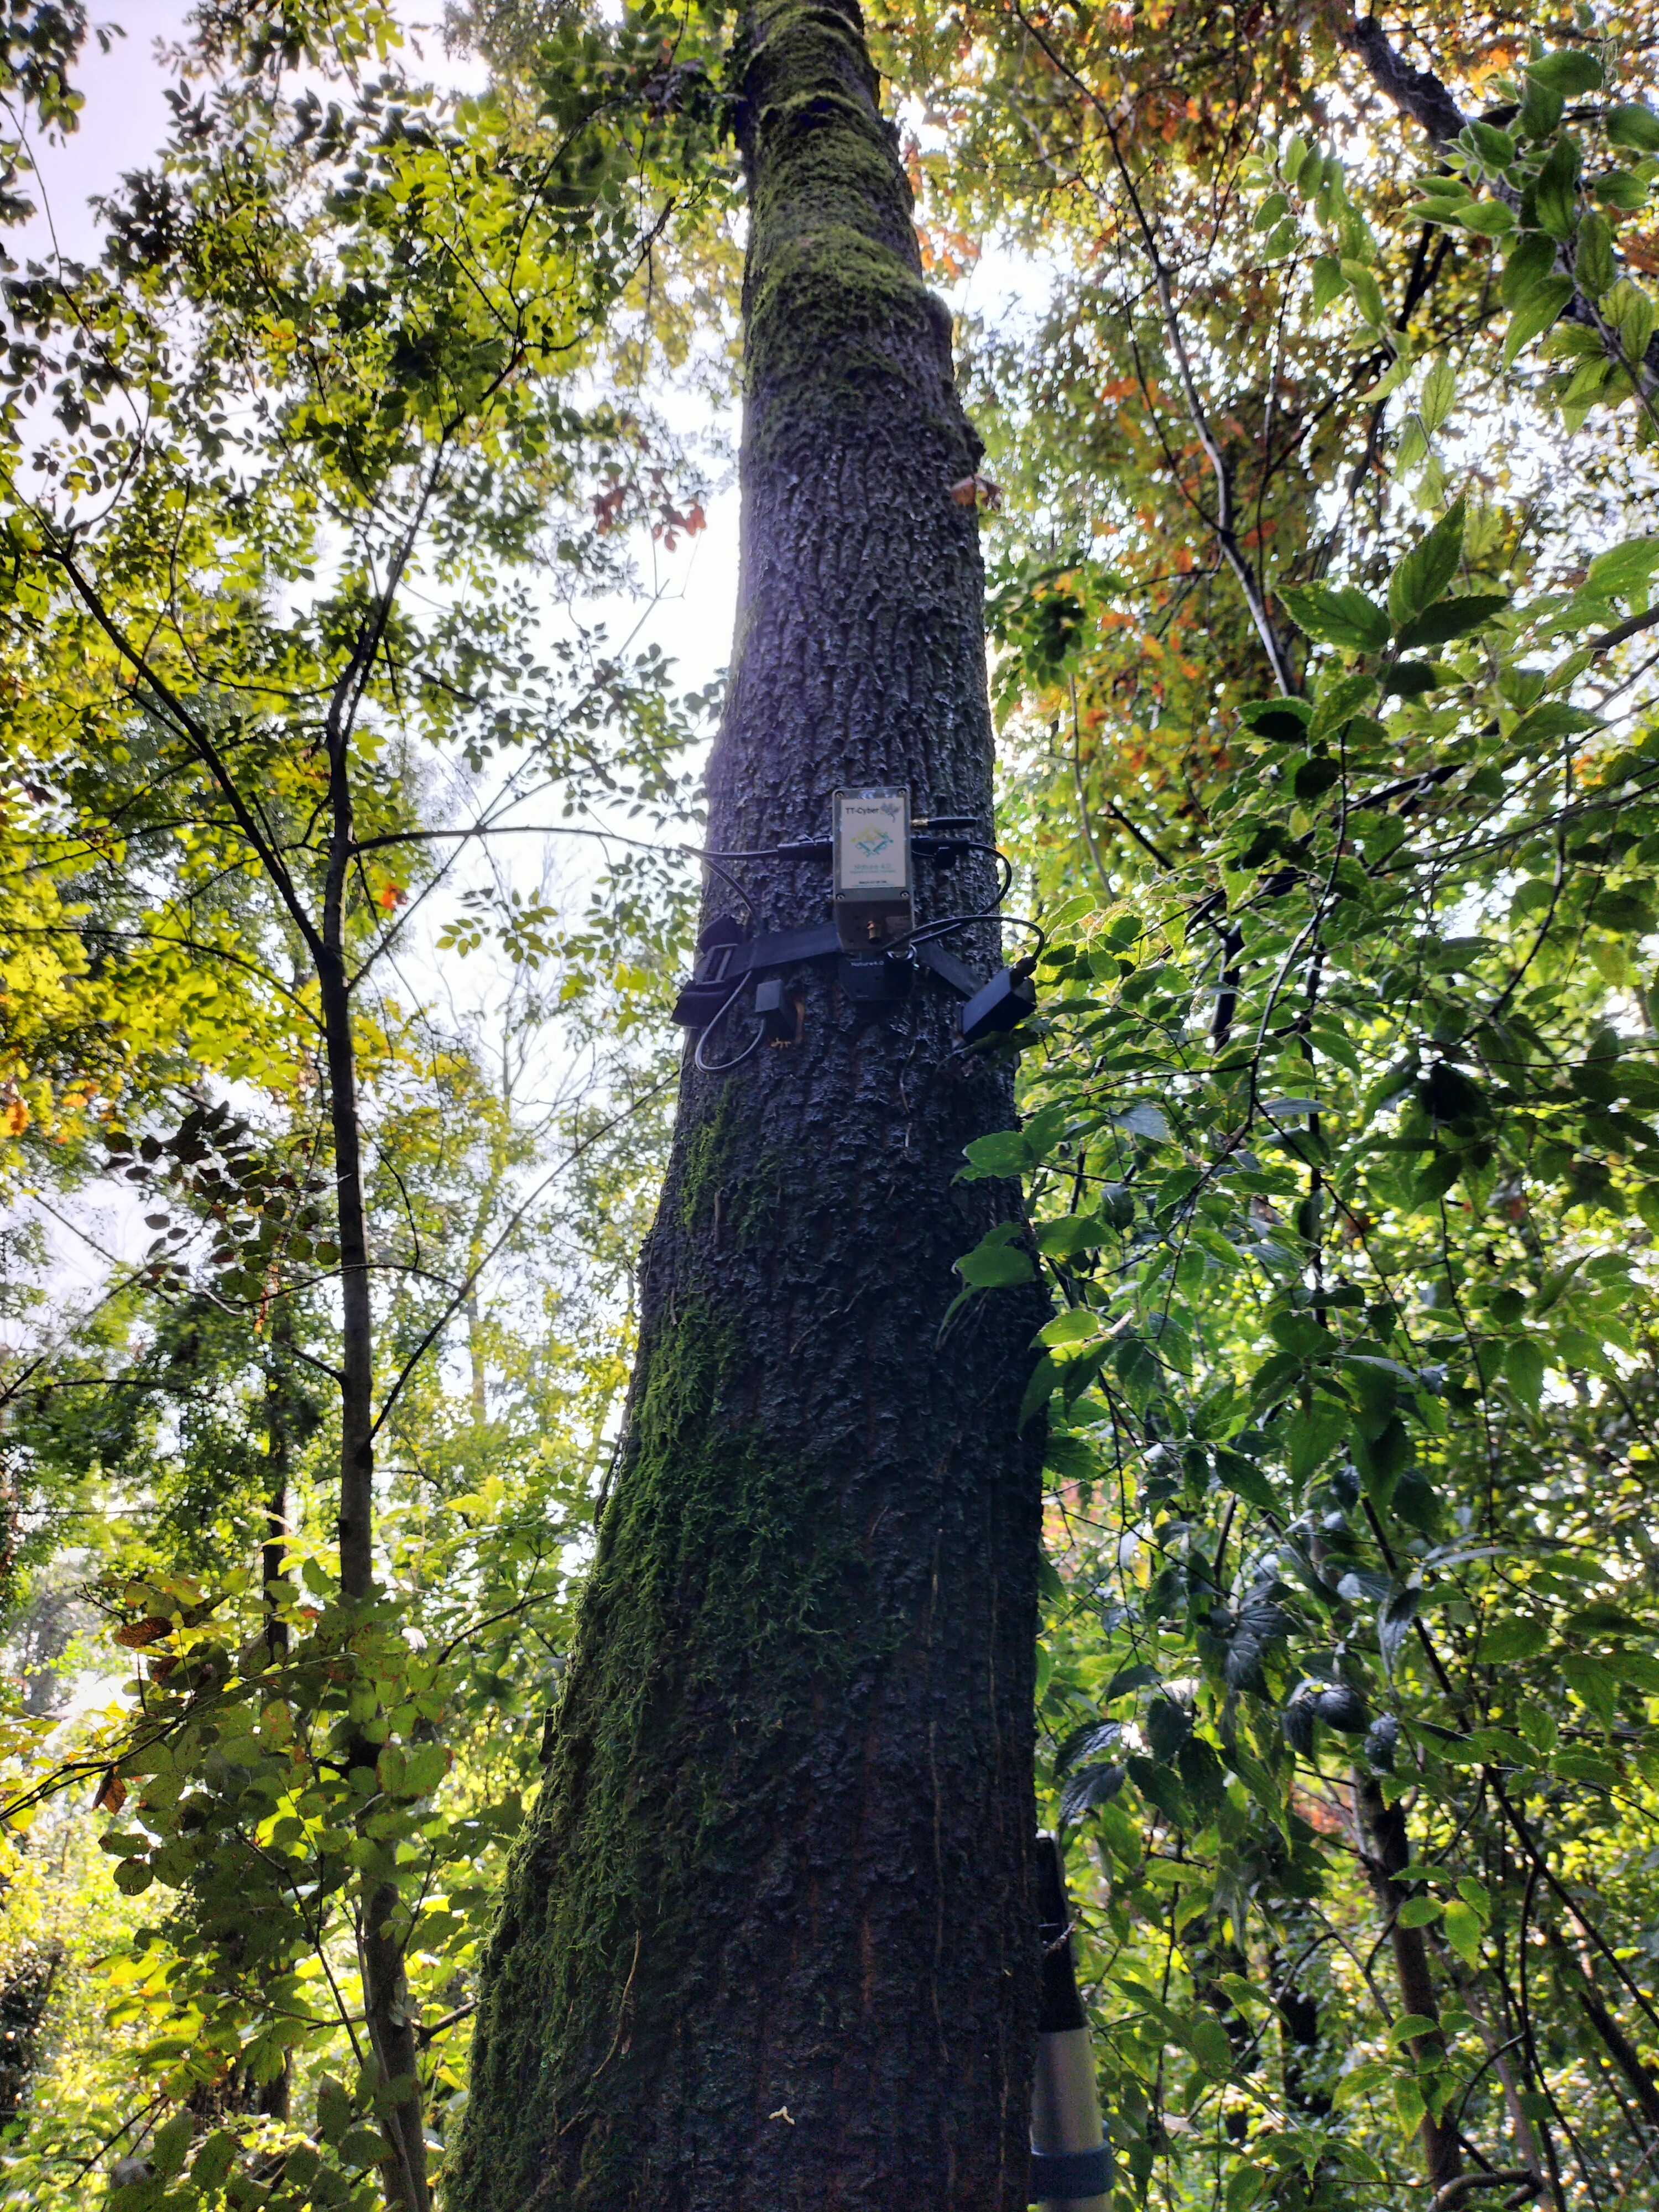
x=726, y=958
x=1070, y=2173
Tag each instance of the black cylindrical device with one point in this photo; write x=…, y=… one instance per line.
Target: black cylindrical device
x=1070, y=2159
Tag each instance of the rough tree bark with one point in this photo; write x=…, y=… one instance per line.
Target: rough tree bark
x=767, y=1943
x=1387, y=1848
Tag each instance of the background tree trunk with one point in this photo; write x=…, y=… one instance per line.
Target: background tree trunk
x=767, y=1942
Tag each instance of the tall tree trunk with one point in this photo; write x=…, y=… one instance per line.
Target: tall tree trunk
x=380, y=1954
x=1388, y=1849
x=767, y=1942
x=279, y=1455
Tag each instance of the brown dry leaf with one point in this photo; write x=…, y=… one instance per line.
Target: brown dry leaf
x=976, y=490
x=111, y=1794
x=133, y=1635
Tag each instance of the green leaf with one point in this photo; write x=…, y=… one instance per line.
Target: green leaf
x=1137, y=1368
x=1488, y=218
x=995, y=1263
x=1428, y=568
x=1074, y=1326
x=1363, y=284
x=1246, y=1480
x=1069, y=1457
x=1168, y=1724
x=424, y=1768
x=214, y=2160
x=1344, y=617
x=1593, y=264
x=170, y=2145
x=1328, y=282
x=1207, y=2038
x=1314, y=777
x=1071, y=1233
x=1556, y=192
x=1587, y=1767
x=1004, y=1152
x=1419, y=1912
x=362, y=2147
x=1495, y=148
x=1540, y=109
x=1450, y=618
x=1505, y=1641
x=1552, y=719
x=1621, y=189
x=1463, y=1931
x=1045, y=1380
x=1342, y=693
x=1571, y=71
x=1314, y=1433
x=1632, y=126
x=1439, y=392
x=1630, y=309
x=1444, y=207
x=1624, y=571
x=1523, y=1363
x=1539, y=312
x=1530, y=261
x=1627, y=911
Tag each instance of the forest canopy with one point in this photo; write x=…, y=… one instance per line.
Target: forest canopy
x=346, y=804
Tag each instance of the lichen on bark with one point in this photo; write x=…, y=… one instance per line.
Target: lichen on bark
x=766, y=1942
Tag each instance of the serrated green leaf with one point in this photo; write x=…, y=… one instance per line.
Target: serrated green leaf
x=1421, y=578
x=1343, y=617
x=1246, y=1480
x=1539, y=312
x=1438, y=394
x=1488, y=218
x=1593, y=264
x=1463, y=1931
x=1628, y=911
x=1503, y=1642
x=1453, y=617
x=1554, y=719
x=1555, y=194
x=1530, y=261
x=1523, y=1363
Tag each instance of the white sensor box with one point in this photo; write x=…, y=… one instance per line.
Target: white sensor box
x=873, y=893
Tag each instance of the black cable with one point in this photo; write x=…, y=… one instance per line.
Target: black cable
x=710, y=862
x=926, y=932
x=1024, y=921
x=802, y=848
x=771, y=853
x=720, y=1066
